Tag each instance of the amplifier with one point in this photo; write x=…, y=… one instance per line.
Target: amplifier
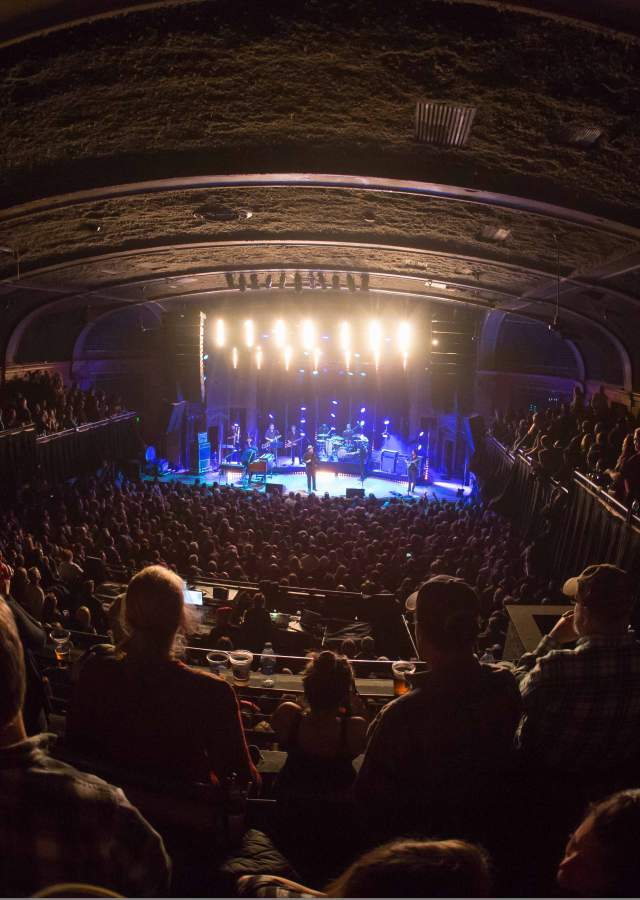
x=200, y=458
x=402, y=465
x=388, y=461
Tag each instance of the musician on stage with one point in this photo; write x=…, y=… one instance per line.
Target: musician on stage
x=249, y=453
x=310, y=461
x=412, y=471
x=363, y=453
x=293, y=441
x=348, y=432
x=271, y=438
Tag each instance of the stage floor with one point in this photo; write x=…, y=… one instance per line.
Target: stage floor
x=329, y=482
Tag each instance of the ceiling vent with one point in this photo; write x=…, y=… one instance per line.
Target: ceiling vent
x=577, y=135
x=443, y=124
x=496, y=233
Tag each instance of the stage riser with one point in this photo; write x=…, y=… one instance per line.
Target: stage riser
x=347, y=469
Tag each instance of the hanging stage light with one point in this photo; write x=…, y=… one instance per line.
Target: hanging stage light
x=404, y=341
x=308, y=335
x=280, y=333
x=375, y=340
x=345, y=343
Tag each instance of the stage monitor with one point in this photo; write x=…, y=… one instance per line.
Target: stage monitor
x=192, y=598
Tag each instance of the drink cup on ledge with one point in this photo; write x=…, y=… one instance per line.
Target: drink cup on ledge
x=61, y=646
x=218, y=660
x=240, y=661
x=401, y=670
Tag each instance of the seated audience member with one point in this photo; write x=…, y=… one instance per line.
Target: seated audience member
x=582, y=705
x=631, y=471
x=256, y=625
x=82, y=620
x=58, y=824
x=223, y=627
x=69, y=571
x=435, y=754
x=141, y=707
x=404, y=868
x=323, y=741
x=601, y=858
x=34, y=595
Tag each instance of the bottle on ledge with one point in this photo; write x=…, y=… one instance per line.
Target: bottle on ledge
x=268, y=660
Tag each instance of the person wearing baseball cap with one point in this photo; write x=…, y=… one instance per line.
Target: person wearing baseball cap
x=444, y=744
x=582, y=704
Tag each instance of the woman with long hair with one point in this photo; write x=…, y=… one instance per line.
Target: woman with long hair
x=141, y=707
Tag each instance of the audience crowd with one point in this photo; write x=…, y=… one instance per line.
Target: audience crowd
x=600, y=439
x=40, y=398
x=482, y=758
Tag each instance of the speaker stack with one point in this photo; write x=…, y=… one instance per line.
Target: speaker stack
x=184, y=349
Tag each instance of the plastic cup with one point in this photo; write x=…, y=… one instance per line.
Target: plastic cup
x=240, y=661
x=61, y=646
x=218, y=660
x=401, y=670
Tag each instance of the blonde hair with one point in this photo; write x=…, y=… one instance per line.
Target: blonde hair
x=153, y=607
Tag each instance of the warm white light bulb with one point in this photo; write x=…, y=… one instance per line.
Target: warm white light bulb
x=308, y=334
x=280, y=333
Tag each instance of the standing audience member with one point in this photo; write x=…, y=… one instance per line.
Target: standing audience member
x=58, y=824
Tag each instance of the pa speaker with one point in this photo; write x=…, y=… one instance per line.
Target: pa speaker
x=352, y=493
x=274, y=488
x=184, y=348
x=477, y=428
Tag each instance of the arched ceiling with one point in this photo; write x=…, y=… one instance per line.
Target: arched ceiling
x=134, y=146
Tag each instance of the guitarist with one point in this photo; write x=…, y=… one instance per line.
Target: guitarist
x=293, y=441
x=271, y=438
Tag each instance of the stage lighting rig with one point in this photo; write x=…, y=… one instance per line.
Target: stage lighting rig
x=230, y=280
x=242, y=282
x=335, y=281
x=282, y=281
x=297, y=282
x=351, y=282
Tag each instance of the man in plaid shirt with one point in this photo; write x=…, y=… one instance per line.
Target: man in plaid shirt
x=58, y=824
x=582, y=705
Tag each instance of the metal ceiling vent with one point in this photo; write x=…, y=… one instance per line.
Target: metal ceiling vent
x=577, y=135
x=443, y=124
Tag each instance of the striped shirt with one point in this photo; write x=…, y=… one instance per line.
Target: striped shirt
x=582, y=705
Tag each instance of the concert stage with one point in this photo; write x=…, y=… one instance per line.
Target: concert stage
x=334, y=483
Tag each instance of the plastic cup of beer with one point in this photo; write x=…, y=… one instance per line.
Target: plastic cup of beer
x=218, y=660
x=240, y=661
x=61, y=645
x=401, y=670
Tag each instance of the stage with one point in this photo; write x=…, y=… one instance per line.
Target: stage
x=334, y=483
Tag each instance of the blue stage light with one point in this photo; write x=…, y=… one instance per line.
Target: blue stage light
x=303, y=409
x=333, y=415
x=205, y=357
x=361, y=423
x=363, y=409
x=335, y=402
x=303, y=421
x=421, y=434
x=271, y=415
x=386, y=421
x=419, y=446
x=236, y=425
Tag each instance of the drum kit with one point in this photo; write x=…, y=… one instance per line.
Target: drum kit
x=338, y=447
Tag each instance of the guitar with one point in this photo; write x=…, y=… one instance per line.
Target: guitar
x=271, y=442
x=291, y=443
